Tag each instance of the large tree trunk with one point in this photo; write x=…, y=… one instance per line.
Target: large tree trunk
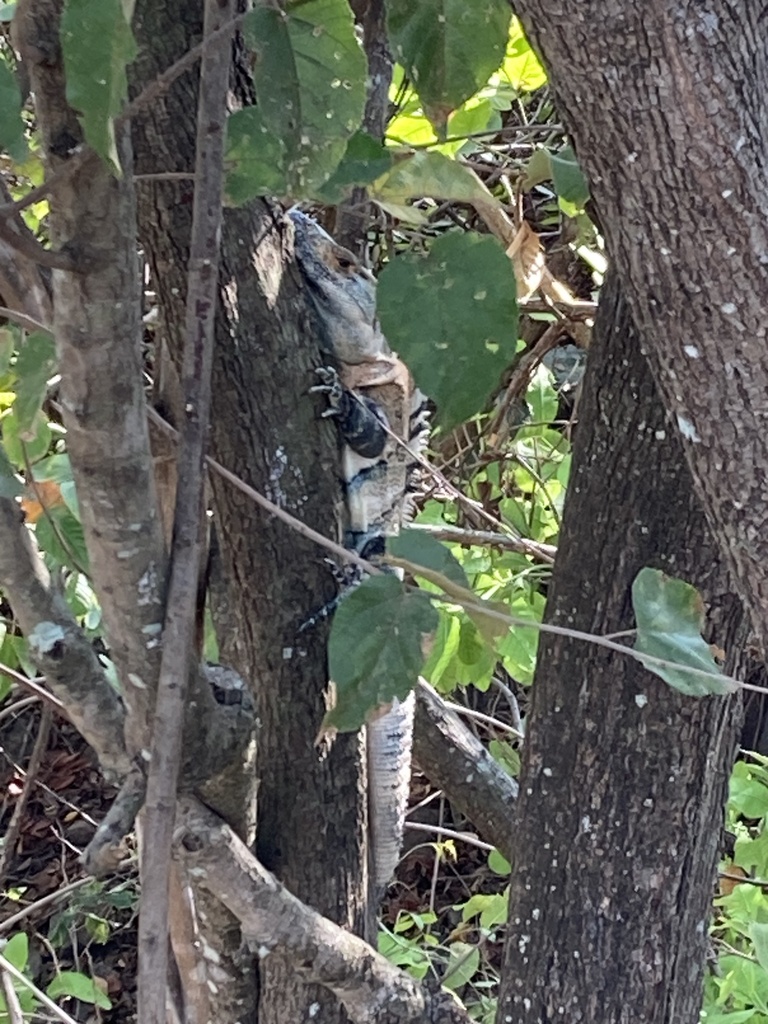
x=623, y=779
x=665, y=103
x=311, y=814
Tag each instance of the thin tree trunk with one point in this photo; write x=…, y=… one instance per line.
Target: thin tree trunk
x=623, y=780
x=311, y=814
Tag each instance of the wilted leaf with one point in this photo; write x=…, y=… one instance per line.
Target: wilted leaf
x=670, y=617
x=97, y=44
x=45, y=495
x=309, y=76
x=35, y=365
x=12, y=139
x=527, y=255
x=498, y=864
x=375, y=648
x=449, y=48
x=452, y=316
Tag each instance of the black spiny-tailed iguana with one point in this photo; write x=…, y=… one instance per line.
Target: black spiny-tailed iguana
x=371, y=388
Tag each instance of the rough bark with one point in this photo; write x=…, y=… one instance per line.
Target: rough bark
x=311, y=812
x=623, y=779
x=665, y=102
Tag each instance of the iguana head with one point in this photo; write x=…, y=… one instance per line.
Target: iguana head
x=343, y=293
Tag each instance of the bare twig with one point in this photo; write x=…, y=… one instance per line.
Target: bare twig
x=179, y=625
x=23, y=320
x=38, y=751
x=33, y=685
x=484, y=538
x=24, y=242
x=270, y=506
x=12, y=1004
x=66, y=890
x=450, y=833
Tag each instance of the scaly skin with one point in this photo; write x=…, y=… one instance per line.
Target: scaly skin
x=373, y=387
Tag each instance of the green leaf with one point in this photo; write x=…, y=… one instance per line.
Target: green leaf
x=463, y=962
x=309, y=76
x=256, y=159
x=492, y=908
x=12, y=139
x=448, y=48
x=759, y=934
x=375, y=648
x=419, y=549
x=430, y=174
x=521, y=67
x=364, y=161
x=7, y=12
x=670, y=617
x=570, y=184
x=78, y=986
x=34, y=442
x=97, y=44
x=35, y=365
x=452, y=315
x=16, y=950
x=506, y=755
x=7, y=348
x=748, y=794
x=60, y=535
x=10, y=485
x=498, y=864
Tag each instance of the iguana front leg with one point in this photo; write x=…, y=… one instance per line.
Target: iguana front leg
x=362, y=422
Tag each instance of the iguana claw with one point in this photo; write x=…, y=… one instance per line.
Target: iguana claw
x=331, y=387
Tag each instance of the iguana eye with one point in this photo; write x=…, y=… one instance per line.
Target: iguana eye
x=344, y=263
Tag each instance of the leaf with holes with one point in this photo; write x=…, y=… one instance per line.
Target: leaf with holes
x=309, y=74
x=97, y=44
x=449, y=48
x=670, y=618
x=375, y=648
x=452, y=316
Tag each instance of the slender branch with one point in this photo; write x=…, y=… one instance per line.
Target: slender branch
x=272, y=920
x=12, y=1004
x=38, y=752
x=449, y=833
x=10, y=922
x=24, y=242
x=179, y=625
x=27, y=322
x=269, y=506
x=485, y=538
